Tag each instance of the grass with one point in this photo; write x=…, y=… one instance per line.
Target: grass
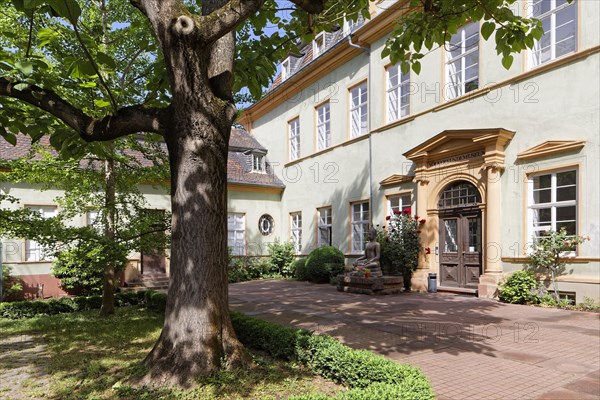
x=100, y=358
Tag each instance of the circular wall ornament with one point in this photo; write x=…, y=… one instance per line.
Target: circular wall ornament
x=265, y=224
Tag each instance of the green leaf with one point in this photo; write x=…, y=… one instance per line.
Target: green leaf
x=8, y=136
x=107, y=60
x=82, y=69
x=25, y=67
x=68, y=9
x=487, y=28
x=507, y=61
x=416, y=67
x=47, y=36
x=101, y=103
x=88, y=85
x=21, y=86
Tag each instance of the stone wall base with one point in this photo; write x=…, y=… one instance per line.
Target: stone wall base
x=488, y=285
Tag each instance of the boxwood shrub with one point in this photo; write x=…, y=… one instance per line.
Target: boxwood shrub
x=29, y=309
x=370, y=376
x=324, y=263
x=301, y=272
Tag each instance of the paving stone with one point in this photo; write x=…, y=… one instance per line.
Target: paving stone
x=468, y=347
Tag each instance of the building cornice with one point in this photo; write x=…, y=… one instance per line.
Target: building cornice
x=550, y=147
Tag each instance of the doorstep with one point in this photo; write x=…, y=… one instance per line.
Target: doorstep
x=457, y=290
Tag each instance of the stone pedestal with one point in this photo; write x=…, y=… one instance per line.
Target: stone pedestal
x=488, y=285
x=370, y=286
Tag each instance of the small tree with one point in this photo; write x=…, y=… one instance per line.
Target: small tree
x=402, y=244
x=282, y=255
x=550, y=250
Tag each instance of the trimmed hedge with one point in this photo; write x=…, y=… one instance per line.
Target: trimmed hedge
x=324, y=263
x=369, y=376
x=28, y=309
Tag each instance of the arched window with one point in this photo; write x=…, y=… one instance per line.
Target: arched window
x=459, y=194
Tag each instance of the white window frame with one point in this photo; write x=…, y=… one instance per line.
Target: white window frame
x=258, y=163
x=324, y=226
x=400, y=199
x=323, y=112
x=286, y=69
x=398, y=105
x=359, y=227
x=359, y=110
x=236, y=233
x=296, y=231
x=551, y=14
x=461, y=84
x=553, y=204
x=294, y=138
x=318, y=45
x=34, y=252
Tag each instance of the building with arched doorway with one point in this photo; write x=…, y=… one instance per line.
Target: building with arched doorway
x=490, y=158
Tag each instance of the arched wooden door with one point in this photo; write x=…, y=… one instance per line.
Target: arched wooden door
x=460, y=235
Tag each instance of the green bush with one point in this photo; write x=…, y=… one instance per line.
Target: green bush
x=12, y=287
x=369, y=375
x=155, y=301
x=282, y=256
x=519, y=288
x=82, y=267
x=324, y=263
x=29, y=309
x=245, y=269
x=301, y=271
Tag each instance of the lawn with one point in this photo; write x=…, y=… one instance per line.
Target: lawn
x=89, y=357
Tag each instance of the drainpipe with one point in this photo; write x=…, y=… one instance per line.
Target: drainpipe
x=369, y=103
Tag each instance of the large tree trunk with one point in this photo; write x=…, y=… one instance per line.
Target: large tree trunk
x=197, y=337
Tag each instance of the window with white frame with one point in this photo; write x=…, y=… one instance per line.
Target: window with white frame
x=286, y=69
x=33, y=250
x=236, y=233
x=294, y=137
x=323, y=126
x=399, y=203
x=559, y=20
x=360, y=226
x=359, y=124
x=398, y=93
x=325, y=226
x=553, y=202
x=319, y=45
x=258, y=163
x=296, y=231
x=462, y=61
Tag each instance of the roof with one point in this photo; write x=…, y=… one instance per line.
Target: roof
x=239, y=162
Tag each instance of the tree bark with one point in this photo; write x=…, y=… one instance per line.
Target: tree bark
x=197, y=337
x=108, y=287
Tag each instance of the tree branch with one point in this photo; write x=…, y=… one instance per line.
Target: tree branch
x=125, y=121
x=226, y=18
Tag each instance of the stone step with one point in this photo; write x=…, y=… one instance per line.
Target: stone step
x=158, y=288
x=148, y=283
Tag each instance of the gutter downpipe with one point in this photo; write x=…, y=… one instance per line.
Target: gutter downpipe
x=369, y=103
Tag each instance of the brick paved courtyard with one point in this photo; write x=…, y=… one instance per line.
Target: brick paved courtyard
x=469, y=348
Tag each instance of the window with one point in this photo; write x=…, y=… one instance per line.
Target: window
x=236, y=233
x=399, y=203
x=319, y=45
x=324, y=224
x=358, y=110
x=33, y=250
x=360, y=226
x=553, y=203
x=91, y=217
x=398, y=93
x=265, y=224
x=462, y=61
x=559, y=20
x=296, y=231
x=323, y=126
x=294, y=135
x=286, y=69
x=258, y=163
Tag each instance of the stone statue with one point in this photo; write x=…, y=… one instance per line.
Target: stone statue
x=370, y=259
